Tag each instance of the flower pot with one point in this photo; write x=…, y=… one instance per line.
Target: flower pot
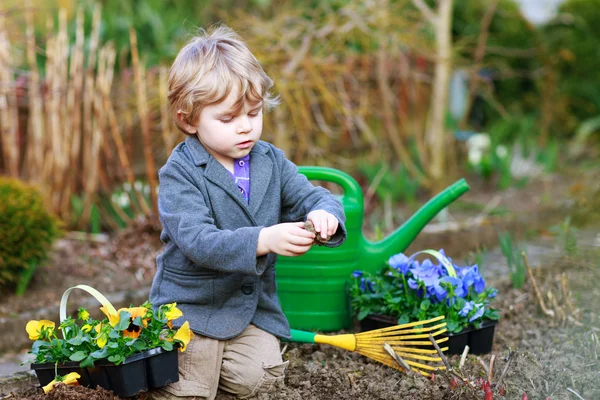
x=481, y=339
x=377, y=321
x=457, y=341
x=47, y=371
x=126, y=379
x=162, y=367
x=148, y=370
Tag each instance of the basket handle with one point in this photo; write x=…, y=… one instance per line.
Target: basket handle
x=440, y=257
x=99, y=296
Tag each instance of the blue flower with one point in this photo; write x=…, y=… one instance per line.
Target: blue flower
x=426, y=274
x=357, y=274
x=365, y=285
x=457, y=285
x=400, y=263
x=466, y=309
x=492, y=293
x=472, y=277
x=479, y=313
x=413, y=284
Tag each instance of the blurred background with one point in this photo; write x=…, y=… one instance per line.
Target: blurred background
x=404, y=95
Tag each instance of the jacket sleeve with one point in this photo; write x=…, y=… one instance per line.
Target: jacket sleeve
x=299, y=197
x=188, y=222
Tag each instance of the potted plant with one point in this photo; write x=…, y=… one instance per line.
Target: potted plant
x=408, y=290
x=130, y=350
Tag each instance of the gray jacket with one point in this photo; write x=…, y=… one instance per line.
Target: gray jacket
x=209, y=265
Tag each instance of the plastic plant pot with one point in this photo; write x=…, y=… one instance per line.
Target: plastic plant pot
x=457, y=341
x=126, y=379
x=162, y=367
x=481, y=339
x=47, y=371
x=377, y=321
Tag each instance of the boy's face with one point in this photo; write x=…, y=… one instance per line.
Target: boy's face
x=225, y=134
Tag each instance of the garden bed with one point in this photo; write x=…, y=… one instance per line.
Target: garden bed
x=547, y=358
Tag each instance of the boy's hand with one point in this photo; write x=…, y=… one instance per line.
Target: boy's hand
x=325, y=223
x=289, y=239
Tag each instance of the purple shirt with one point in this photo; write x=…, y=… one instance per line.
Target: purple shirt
x=241, y=175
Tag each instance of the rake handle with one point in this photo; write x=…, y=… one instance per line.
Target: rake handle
x=301, y=336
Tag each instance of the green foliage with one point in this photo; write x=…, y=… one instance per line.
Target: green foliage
x=396, y=183
x=27, y=233
x=566, y=236
x=573, y=40
x=516, y=264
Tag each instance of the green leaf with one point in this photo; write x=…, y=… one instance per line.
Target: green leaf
x=102, y=353
x=114, y=359
x=167, y=346
x=78, y=356
x=88, y=362
x=139, y=345
x=138, y=321
x=123, y=324
x=363, y=314
x=453, y=326
x=425, y=304
x=114, y=334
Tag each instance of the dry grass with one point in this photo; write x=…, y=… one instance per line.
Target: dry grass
x=354, y=83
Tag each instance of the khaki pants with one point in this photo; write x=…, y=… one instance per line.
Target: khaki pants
x=246, y=365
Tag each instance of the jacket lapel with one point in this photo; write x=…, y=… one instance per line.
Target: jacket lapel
x=261, y=168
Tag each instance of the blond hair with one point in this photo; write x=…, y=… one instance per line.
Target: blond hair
x=207, y=69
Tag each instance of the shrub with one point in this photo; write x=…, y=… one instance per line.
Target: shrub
x=27, y=233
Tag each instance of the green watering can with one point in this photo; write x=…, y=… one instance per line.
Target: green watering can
x=312, y=288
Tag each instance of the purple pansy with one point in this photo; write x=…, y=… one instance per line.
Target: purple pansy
x=400, y=263
x=472, y=277
x=357, y=274
x=479, y=313
x=466, y=309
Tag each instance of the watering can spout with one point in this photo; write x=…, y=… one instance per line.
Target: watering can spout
x=373, y=255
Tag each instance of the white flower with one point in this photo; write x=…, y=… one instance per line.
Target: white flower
x=475, y=157
x=501, y=151
x=138, y=186
x=480, y=141
x=123, y=200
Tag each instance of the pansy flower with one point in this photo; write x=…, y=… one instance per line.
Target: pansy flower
x=35, y=328
x=184, y=334
x=69, y=379
x=479, y=313
x=400, y=263
x=472, y=277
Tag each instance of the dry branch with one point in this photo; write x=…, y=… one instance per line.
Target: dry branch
x=538, y=294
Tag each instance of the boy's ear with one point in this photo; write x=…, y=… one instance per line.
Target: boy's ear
x=188, y=128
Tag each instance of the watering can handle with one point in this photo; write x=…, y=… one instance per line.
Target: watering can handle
x=352, y=189
x=441, y=258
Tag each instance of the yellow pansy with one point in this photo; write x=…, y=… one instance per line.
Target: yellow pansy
x=173, y=312
x=86, y=328
x=34, y=328
x=84, y=315
x=69, y=379
x=184, y=334
x=111, y=313
x=102, y=339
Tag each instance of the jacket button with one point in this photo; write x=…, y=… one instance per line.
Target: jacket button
x=247, y=288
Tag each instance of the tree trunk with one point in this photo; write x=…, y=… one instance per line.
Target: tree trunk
x=436, y=134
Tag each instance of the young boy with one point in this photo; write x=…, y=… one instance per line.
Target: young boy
x=229, y=203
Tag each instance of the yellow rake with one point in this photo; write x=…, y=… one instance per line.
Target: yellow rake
x=409, y=341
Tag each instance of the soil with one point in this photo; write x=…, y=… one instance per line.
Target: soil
x=536, y=354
